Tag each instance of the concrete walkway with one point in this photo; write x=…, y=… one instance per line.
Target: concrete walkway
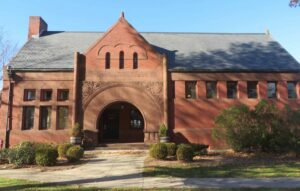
x=117, y=170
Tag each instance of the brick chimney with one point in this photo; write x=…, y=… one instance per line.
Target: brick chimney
x=36, y=27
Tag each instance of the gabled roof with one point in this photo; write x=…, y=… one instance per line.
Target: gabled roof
x=186, y=51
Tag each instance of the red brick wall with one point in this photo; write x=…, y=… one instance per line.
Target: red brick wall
x=37, y=81
x=194, y=118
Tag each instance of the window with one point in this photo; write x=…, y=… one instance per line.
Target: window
x=45, y=117
x=46, y=95
x=136, y=119
x=121, y=61
x=29, y=94
x=135, y=60
x=231, y=90
x=272, y=89
x=190, y=89
x=62, y=117
x=211, y=89
x=107, y=60
x=292, y=89
x=62, y=95
x=252, y=89
x=28, y=118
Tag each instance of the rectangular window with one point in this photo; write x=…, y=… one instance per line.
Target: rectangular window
x=232, y=90
x=292, y=90
x=62, y=117
x=272, y=89
x=45, y=117
x=190, y=89
x=62, y=95
x=28, y=117
x=252, y=89
x=29, y=94
x=211, y=89
x=46, y=95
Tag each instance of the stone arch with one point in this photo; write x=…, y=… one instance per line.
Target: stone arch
x=140, y=99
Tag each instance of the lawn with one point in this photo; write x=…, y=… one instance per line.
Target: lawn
x=226, y=166
x=24, y=185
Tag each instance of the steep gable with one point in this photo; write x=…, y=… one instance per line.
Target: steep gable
x=122, y=35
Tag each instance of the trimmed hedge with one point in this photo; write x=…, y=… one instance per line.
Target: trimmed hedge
x=159, y=151
x=74, y=153
x=46, y=155
x=185, y=153
x=62, y=149
x=171, y=148
x=4, y=155
x=22, y=154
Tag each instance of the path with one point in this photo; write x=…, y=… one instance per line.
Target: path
x=125, y=170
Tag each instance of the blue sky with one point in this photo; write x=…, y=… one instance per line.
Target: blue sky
x=158, y=15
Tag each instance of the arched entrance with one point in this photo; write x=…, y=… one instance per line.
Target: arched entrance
x=120, y=122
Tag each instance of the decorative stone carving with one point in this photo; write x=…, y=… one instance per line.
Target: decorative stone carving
x=154, y=89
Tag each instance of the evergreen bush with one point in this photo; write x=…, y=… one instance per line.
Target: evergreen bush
x=159, y=151
x=185, y=153
x=74, y=153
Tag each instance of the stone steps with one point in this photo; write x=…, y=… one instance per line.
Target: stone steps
x=122, y=146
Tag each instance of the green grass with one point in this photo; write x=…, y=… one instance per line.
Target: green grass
x=290, y=169
x=24, y=185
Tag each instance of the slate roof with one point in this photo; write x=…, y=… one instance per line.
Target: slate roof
x=207, y=52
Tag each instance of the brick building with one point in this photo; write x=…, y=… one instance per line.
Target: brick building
x=120, y=85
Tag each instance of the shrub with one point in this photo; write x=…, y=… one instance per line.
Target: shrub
x=159, y=151
x=76, y=130
x=22, y=154
x=171, y=148
x=185, y=153
x=199, y=149
x=46, y=155
x=262, y=129
x=62, y=149
x=74, y=153
x=163, y=130
x=4, y=155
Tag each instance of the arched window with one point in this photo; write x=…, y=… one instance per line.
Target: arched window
x=121, y=57
x=107, y=60
x=135, y=60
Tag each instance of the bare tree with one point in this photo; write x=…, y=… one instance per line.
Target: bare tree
x=7, y=50
x=294, y=3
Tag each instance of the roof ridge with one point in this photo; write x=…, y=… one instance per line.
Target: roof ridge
x=143, y=32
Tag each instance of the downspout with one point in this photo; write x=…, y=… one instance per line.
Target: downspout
x=9, y=107
x=165, y=88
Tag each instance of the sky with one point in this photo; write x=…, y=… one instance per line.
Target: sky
x=158, y=16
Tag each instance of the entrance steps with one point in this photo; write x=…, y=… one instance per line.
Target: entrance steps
x=122, y=146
